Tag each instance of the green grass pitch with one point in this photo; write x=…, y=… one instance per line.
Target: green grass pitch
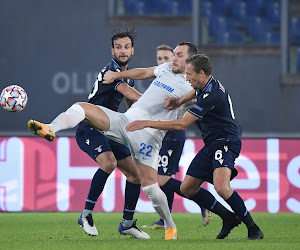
x=60, y=231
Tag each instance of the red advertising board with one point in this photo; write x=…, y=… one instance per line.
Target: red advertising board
x=36, y=175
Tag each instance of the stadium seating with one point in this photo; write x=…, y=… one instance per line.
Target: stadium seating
x=228, y=38
x=257, y=27
x=223, y=7
x=253, y=21
x=133, y=7
x=298, y=60
x=257, y=7
x=295, y=30
x=206, y=9
x=269, y=38
x=273, y=12
x=239, y=11
x=220, y=24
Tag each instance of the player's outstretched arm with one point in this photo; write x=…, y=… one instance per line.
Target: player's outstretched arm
x=136, y=74
x=173, y=103
x=128, y=92
x=181, y=124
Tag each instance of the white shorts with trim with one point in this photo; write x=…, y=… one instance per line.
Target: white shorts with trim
x=144, y=144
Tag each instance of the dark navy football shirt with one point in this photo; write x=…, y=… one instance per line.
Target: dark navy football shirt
x=106, y=95
x=215, y=112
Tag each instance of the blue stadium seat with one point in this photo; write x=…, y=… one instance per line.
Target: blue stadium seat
x=269, y=38
x=220, y=24
x=295, y=30
x=257, y=27
x=170, y=7
x=298, y=60
x=223, y=7
x=273, y=12
x=134, y=7
x=239, y=11
x=257, y=7
x=228, y=38
x=206, y=8
x=185, y=7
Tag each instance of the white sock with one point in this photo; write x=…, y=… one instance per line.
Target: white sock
x=69, y=119
x=160, y=203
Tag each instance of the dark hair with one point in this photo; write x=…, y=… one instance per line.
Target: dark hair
x=192, y=48
x=200, y=62
x=164, y=47
x=129, y=32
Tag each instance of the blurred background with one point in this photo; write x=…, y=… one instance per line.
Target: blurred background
x=54, y=50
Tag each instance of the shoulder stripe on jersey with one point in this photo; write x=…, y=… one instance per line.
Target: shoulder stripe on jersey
x=195, y=114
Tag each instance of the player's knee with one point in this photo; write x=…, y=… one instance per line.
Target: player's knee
x=224, y=191
x=188, y=192
x=109, y=165
x=133, y=179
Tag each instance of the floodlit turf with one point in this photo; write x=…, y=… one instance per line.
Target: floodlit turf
x=60, y=231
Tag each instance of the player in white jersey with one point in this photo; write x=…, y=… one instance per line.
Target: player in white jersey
x=144, y=144
x=169, y=155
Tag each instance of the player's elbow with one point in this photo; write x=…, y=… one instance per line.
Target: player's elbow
x=181, y=126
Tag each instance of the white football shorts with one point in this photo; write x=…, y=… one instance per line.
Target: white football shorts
x=144, y=144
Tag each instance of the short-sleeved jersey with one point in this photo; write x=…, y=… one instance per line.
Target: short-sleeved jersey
x=214, y=109
x=106, y=95
x=166, y=84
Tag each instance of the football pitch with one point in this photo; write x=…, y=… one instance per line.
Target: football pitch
x=60, y=231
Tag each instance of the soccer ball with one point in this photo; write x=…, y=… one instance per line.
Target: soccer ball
x=13, y=98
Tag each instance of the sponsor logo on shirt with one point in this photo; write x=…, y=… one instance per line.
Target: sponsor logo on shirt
x=164, y=86
x=198, y=107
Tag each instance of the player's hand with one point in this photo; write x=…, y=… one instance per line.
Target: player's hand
x=136, y=125
x=172, y=103
x=109, y=77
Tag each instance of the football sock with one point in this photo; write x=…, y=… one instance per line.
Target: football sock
x=126, y=223
x=160, y=203
x=132, y=193
x=174, y=186
x=97, y=185
x=69, y=119
x=168, y=189
x=205, y=199
x=238, y=206
x=85, y=212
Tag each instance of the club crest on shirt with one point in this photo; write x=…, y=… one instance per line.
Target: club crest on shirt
x=99, y=149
